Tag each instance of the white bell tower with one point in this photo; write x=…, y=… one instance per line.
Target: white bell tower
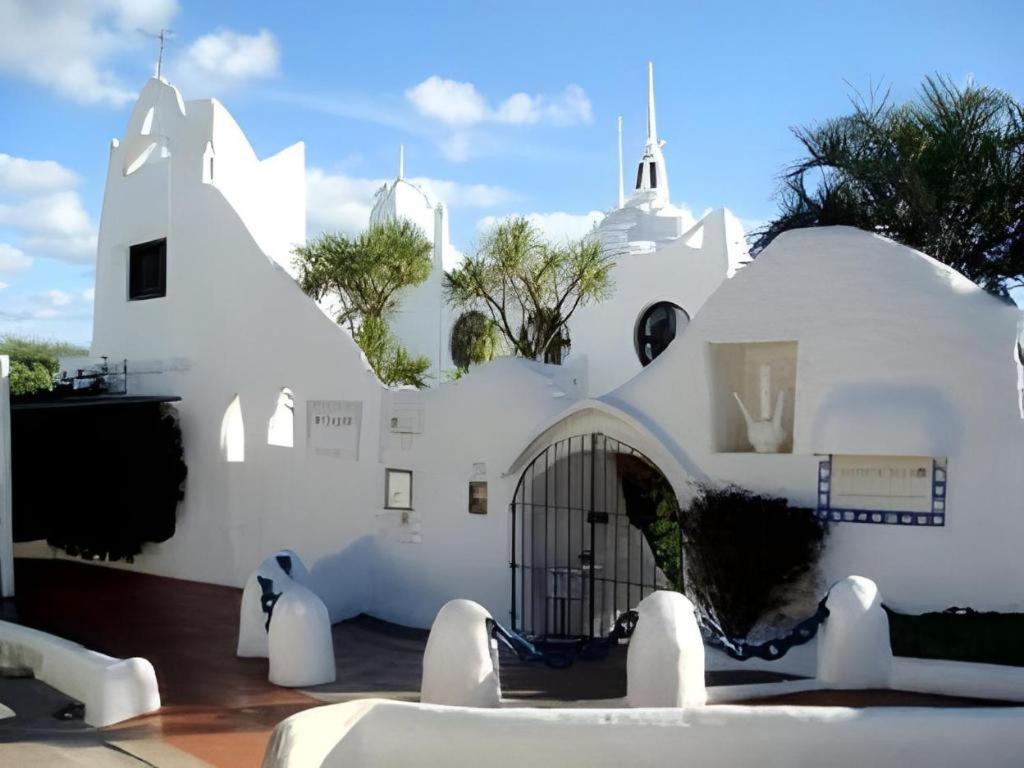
x=651, y=174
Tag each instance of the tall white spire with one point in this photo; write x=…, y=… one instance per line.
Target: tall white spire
x=401, y=161
x=651, y=175
x=622, y=188
x=652, y=125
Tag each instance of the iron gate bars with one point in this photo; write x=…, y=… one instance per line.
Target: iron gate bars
x=580, y=557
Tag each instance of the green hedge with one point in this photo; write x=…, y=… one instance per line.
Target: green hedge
x=959, y=634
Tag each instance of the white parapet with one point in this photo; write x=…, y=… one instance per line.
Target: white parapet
x=665, y=661
x=853, y=642
x=401, y=734
x=111, y=689
x=460, y=663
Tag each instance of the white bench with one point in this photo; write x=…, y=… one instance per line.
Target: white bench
x=111, y=689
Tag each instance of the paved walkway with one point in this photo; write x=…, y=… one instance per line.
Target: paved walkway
x=218, y=709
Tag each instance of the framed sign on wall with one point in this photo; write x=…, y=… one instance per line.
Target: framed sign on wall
x=333, y=427
x=892, y=490
x=398, y=489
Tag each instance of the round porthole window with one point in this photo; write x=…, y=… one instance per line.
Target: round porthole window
x=658, y=326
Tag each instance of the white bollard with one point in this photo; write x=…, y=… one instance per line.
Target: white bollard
x=665, y=661
x=300, y=640
x=252, y=620
x=460, y=664
x=853, y=642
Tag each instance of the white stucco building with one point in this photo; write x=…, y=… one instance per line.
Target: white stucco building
x=899, y=388
x=666, y=266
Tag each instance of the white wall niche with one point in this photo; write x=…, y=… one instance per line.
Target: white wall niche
x=756, y=371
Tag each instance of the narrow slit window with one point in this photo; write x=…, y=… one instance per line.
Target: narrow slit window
x=232, y=433
x=654, y=175
x=281, y=428
x=639, y=175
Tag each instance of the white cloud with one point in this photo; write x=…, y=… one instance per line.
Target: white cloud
x=557, y=226
x=458, y=148
x=340, y=202
x=12, y=259
x=570, y=108
x=18, y=175
x=55, y=298
x=39, y=205
x=226, y=59
x=4, y=285
x=89, y=294
x=449, y=101
x=68, y=46
x=54, y=225
x=460, y=104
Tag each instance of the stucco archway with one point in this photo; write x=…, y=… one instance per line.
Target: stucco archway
x=588, y=514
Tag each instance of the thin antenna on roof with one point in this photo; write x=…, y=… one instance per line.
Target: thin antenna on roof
x=622, y=193
x=163, y=36
x=401, y=161
x=652, y=127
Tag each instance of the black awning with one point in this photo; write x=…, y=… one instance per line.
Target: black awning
x=83, y=401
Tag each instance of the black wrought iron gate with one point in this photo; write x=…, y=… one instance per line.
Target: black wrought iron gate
x=579, y=555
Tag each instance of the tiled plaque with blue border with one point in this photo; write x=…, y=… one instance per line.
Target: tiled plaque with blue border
x=884, y=509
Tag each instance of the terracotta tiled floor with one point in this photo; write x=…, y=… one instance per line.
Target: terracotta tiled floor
x=217, y=707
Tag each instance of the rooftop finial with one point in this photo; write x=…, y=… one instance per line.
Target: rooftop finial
x=652, y=127
x=163, y=36
x=401, y=161
x=622, y=192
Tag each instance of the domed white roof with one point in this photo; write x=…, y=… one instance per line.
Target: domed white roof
x=402, y=199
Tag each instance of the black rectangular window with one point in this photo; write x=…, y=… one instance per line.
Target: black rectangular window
x=654, y=175
x=147, y=270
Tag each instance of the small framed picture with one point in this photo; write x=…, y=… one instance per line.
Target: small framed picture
x=478, y=497
x=398, y=489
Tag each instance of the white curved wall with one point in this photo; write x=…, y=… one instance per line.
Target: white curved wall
x=897, y=354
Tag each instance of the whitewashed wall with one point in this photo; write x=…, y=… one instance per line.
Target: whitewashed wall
x=234, y=323
x=897, y=354
x=684, y=272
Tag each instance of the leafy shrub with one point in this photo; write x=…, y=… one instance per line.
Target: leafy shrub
x=98, y=481
x=744, y=553
x=34, y=362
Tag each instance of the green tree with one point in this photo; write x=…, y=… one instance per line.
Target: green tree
x=475, y=339
x=943, y=173
x=366, y=276
x=530, y=288
x=34, y=363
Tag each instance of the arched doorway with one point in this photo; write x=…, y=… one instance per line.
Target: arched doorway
x=594, y=531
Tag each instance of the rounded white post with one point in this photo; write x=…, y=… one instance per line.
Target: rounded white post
x=853, y=642
x=460, y=664
x=665, y=661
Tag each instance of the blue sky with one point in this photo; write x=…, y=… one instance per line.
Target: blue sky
x=503, y=108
